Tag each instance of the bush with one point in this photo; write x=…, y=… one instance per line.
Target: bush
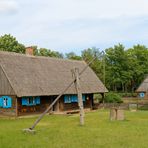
x=97, y=98
x=128, y=94
x=112, y=98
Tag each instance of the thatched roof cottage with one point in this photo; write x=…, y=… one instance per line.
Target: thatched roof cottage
x=143, y=89
x=28, y=84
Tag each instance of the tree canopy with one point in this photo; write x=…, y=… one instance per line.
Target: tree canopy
x=9, y=43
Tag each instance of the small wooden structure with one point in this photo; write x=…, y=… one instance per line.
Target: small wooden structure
x=133, y=107
x=116, y=114
x=143, y=89
x=29, y=84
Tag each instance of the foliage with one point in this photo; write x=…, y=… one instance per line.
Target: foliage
x=73, y=56
x=143, y=107
x=138, y=62
x=98, y=64
x=97, y=98
x=48, y=53
x=117, y=68
x=126, y=94
x=9, y=43
x=113, y=98
x=125, y=69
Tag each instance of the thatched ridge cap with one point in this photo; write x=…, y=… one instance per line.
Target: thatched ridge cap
x=40, y=57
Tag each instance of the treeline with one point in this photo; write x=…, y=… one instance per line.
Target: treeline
x=119, y=68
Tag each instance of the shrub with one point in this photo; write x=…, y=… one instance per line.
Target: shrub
x=113, y=98
x=128, y=94
x=97, y=98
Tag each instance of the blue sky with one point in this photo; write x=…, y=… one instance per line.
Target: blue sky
x=74, y=25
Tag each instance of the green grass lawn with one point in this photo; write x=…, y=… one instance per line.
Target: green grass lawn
x=61, y=131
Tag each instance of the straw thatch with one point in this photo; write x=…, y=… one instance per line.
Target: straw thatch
x=143, y=86
x=43, y=76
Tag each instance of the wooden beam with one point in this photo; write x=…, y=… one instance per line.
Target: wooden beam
x=16, y=107
x=80, y=100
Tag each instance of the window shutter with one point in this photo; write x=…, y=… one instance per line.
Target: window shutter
x=24, y=101
x=1, y=102
x=34, y=101
x=9, y=103
x=83, y=97
x=72, y=98
x=6, y=102
x=67, y=99
x=37, y=100
x=75, y=98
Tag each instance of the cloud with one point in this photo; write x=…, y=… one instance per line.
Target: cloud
x=66, y=25
x=8, y=6
x=74, y=9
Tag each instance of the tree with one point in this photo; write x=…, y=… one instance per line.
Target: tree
x=97, y=65
x=73, y=56
x=138, y=62
x=117, y=67
x=9, y=43
x=48, y=53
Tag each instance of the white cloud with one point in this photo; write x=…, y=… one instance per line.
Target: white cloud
x=76, y=24
x=8, y=6
x=74, y=9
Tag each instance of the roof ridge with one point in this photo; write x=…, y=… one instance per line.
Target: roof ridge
x=37, y=56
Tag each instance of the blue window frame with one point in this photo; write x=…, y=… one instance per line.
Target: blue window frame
x=37, y=100
x=30, y=101
x=72, y=98
x=5, y=102
x=24, y=101
x=67, y=99
x=1, y=102
x=83, y=97
x=141, y=95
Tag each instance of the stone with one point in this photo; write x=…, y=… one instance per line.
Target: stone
x=113, y=114
x=120, y=114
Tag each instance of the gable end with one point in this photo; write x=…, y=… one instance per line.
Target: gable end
x=5, y=86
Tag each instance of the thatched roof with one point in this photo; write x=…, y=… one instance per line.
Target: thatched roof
x=143, y=86
x=43, y=76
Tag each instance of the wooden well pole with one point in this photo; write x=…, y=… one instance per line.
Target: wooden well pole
x=80, y=100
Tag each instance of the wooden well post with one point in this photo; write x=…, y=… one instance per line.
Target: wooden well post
x=78, y=89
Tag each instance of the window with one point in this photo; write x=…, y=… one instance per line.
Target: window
x=37, y=100
x=67, y=99
x=1, y=102
x=5, y=102
x=72, y=98
x=30, y=101
x=141, y=95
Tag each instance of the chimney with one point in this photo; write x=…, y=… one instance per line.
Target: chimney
x=29, y=51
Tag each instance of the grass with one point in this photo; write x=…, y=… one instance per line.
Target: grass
x=60, y=131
